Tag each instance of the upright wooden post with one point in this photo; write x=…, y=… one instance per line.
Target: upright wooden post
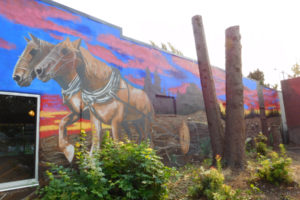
x=235, y=123
x=208, y=88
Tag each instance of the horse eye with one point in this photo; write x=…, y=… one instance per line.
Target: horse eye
x=64, y=51
x=33, y=52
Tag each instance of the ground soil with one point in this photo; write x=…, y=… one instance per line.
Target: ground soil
x=240, y=180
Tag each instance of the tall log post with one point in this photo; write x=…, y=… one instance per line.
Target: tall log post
x=235, y=123
x=212, y=108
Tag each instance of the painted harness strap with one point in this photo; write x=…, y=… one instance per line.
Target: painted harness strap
x=104, y=94
x=73, y=88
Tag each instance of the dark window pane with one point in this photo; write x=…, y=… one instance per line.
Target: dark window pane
x=17, y=137
x=165, y=104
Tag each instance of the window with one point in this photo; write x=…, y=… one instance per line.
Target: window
x=165, y=104
x=19, y=136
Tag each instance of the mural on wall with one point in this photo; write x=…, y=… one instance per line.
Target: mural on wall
x=90, y=77
x=271, y=100
x=88, y=83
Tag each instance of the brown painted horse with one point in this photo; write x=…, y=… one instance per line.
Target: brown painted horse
x=67, y=78
x=24, y=72
x=35, y=51
x=110, y=99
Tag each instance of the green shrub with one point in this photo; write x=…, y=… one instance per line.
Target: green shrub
x=117, y=171
x=261, y=144
x=210, y=184
x=261, y=138
x=275, y=168
x=135, y=171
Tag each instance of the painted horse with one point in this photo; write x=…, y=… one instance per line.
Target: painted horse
x=108, y=96
x=35, y=51
x=24, y=72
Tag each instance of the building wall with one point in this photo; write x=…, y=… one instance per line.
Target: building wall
x=291, y=96
x=170, y=82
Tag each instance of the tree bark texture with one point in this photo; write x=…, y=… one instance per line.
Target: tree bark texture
x=212, y=108
x=235, y=123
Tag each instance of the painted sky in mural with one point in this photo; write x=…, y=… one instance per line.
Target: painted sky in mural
x=105, y=42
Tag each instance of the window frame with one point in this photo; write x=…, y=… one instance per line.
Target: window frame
x=33, y=181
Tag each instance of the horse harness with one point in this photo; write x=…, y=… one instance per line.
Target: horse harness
x=102, y=95
x=73, y=87
x=107, y=93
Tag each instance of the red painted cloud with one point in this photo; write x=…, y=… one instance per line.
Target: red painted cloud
x=187, y=65
x=56, y=36
x=105, y=54
x=218, y=73
x=270, y=97
x=180, y=89
x=143, y=57
x=6, y=45
x=35, y=15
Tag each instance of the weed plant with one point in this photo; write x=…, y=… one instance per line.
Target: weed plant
x=275, y=168
x=210, y=184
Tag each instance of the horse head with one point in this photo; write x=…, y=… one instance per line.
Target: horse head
x=34, y=52
x=58, y=61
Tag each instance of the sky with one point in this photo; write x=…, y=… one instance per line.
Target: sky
x=270, y=29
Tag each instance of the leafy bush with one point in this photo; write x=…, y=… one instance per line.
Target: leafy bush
x=210, y=184
x=117, y=171
x=135, y=171
x=261, y=144
x=275, y=168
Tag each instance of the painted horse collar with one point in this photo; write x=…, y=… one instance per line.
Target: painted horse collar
x=104, y=94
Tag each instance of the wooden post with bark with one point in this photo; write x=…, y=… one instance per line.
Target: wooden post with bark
x=212, y=108
x=235, y=123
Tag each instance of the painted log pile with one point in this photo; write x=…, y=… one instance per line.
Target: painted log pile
x=173, y=136
x=177, y=140
x=170, y=136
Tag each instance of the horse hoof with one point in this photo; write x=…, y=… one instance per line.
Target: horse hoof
x=69, y=152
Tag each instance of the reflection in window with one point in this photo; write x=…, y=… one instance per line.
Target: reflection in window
x=18, y=133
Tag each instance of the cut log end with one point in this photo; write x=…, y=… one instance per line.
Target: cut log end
x=184, y=137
